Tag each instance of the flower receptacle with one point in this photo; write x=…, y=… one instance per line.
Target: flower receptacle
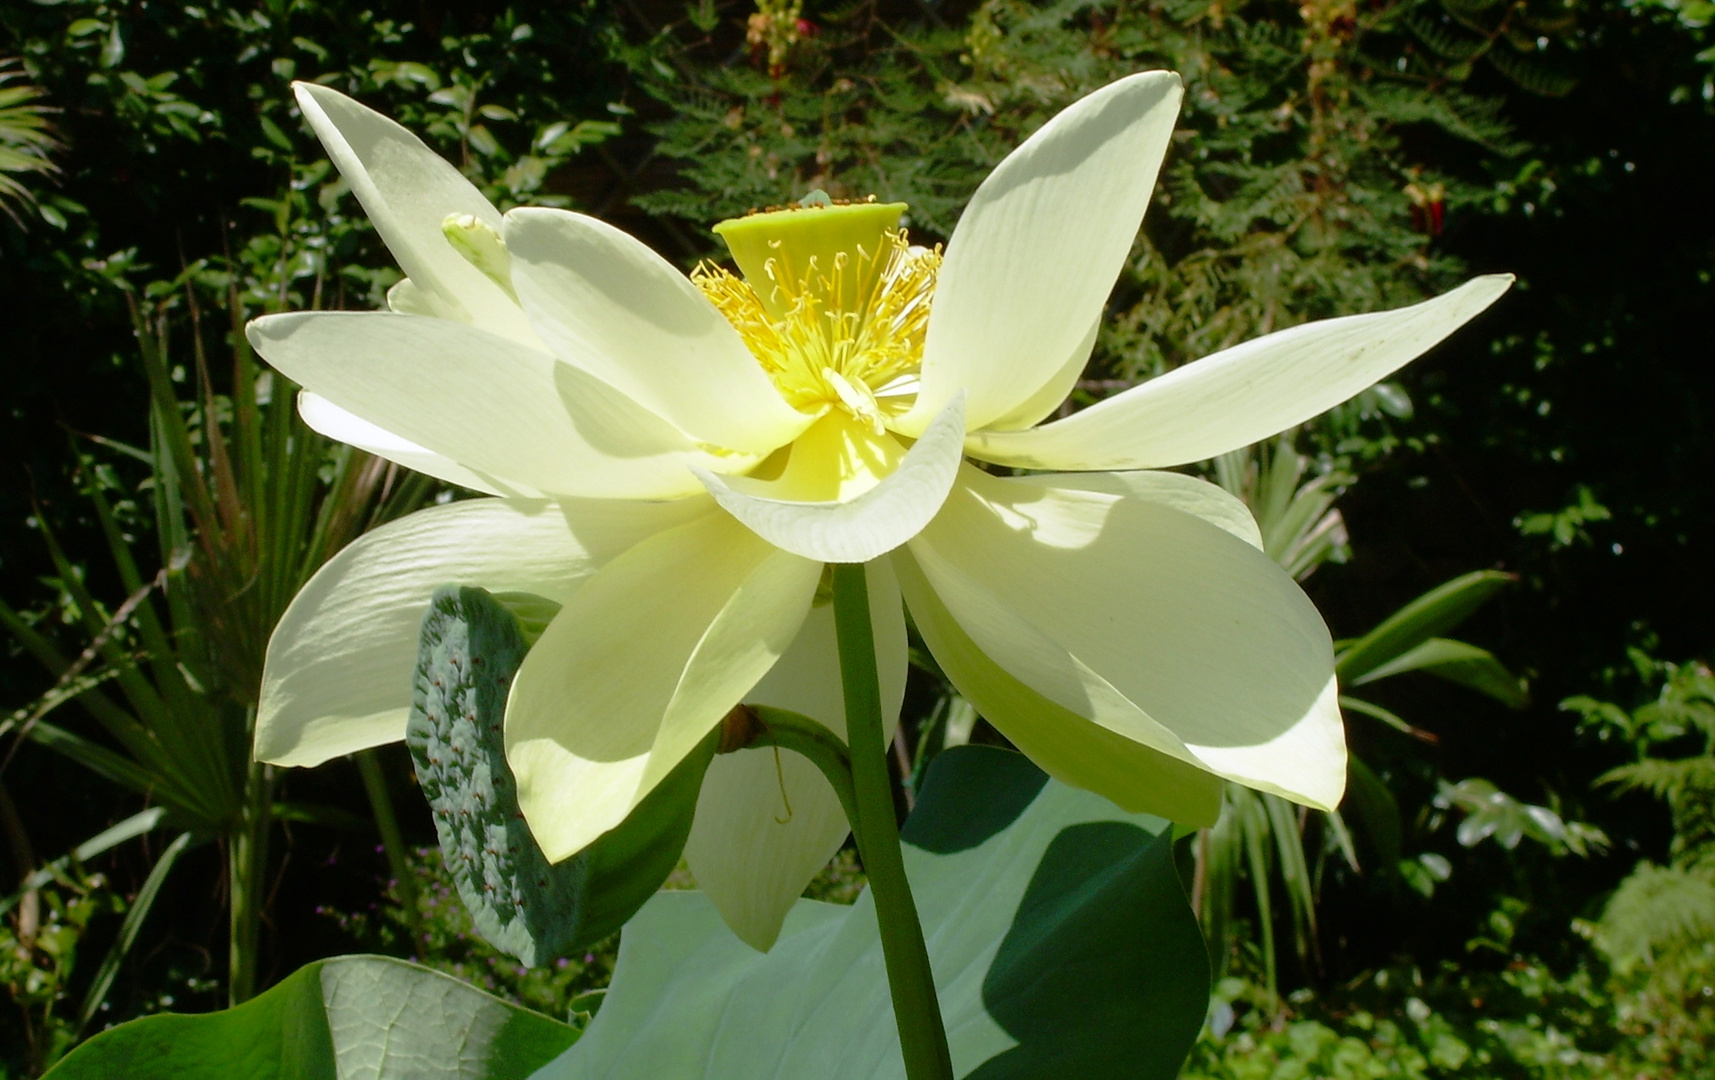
x=830, y=250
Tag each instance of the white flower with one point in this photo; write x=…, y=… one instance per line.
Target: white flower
x=677, y=459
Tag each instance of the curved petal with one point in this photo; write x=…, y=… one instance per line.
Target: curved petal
x=1068, y=747
x=642, y=663
x=1156, y=624
x=1049, y=396
x=338, y=672
x=606, y=303
x=408, y=190
x=1211, y=502
x=325, y=417
x=767, y=821
x=404, y=298
x=861, y=528
x=1035, y=254
x=500, y=409
x=1241, y=395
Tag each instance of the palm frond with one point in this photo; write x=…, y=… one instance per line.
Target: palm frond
x=27, y=138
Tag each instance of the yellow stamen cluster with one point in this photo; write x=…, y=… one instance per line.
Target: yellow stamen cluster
x=821, y=354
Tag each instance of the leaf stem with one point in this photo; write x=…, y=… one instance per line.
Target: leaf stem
x=916, y=1011
x=247, y=860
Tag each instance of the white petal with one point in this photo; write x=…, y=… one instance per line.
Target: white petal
x=605, y=302
x=1153, y=622
x=502, y=410
x=1241, y=395
x=329, y=419
x=1068, y=747
x=1211, y=502
x=339, y=665
x=865, y=527
x=405, y=298
x=768, y=822
x=1036, y=408
x=1035, y=254
x=408, y=190
x=642, y=664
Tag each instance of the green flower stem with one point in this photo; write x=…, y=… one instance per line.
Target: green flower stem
x=916, y=1011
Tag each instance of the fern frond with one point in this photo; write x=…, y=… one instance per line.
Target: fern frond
x=1654, y=910
x=1444, y=38
x=1531, y=73
x=1666, y=780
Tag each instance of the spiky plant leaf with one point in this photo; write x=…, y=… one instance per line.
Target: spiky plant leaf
x=27, y=138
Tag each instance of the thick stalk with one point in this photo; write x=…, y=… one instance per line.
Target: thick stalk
x=247, y=862
x=916, y=1011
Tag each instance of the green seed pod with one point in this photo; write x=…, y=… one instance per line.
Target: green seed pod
x=471, y=646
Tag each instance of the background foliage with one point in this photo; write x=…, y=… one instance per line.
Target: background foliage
x=1333, y=157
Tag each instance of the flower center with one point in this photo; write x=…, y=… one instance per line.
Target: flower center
x=834, y=303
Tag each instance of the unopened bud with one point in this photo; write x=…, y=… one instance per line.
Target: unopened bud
x=481, y=246
x=739, y=728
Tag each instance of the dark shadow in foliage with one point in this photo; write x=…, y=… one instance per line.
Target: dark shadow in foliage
x=970, y=796
x=1104, y=909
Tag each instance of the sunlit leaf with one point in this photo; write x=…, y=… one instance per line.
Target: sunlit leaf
x=1061, y=939
x=353, y=1016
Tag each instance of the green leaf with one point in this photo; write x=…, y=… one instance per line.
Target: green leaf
x=98, y=759
x=113, y=51
x=1057, y=927
x=271, y=131
x=1372, y=806
x=1458, y=662
x=140, y=907
x=471, y=647
x=1655, y=907
x=114, y=835
x=1436, y=611
x=1386, y=716
x=353, y=1016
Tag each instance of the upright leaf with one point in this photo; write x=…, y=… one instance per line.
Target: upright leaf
x=1436, y=611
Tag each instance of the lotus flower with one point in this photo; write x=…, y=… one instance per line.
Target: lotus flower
x=676, y=460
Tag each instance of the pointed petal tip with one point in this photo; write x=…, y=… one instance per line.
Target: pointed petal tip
x=1477, y=295
x=758, y=934
x=1157, y=77
x=312, y=97
x=1036, y=252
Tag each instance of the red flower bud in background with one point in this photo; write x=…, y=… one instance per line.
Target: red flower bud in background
x=1428, y=207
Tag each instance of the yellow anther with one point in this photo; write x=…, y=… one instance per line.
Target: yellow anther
x=850, y=323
